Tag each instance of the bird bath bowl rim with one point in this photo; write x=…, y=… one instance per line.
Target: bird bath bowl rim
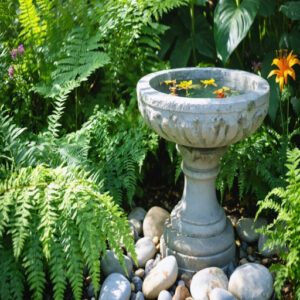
x=153, y=97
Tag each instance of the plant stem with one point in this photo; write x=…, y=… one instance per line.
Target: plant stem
x=76, y=108
x=192, y=14
x=281, y=116
x=287, y=117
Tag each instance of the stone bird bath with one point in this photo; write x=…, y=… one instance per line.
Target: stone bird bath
x=198, y=233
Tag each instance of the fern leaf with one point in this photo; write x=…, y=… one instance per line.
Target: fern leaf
x=31, y=23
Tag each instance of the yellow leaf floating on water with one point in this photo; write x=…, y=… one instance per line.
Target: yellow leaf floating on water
x=169, y=82
x=208, y=82
x=185, y=85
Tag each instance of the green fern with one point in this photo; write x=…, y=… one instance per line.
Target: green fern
x=70, y=225
x=33, y=29
x=284, y=231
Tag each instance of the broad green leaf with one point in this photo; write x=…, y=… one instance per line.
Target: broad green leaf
x=232, y=23
x=181, y=53
x=290, y=40
x=291, y=9
x=267, y=8
x=274, y=90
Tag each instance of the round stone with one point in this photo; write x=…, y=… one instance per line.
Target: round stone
x=164, y=295
x=138, y=283
x=145, y=250
x=206, y=280
x=154, y=222
x=265, y=251
x=181, y=293
x=137, y=213
x=139, y=296
x=246, y=228
x=251, y=281
x=149, y=266
x=110, y=264
x=115, y=287
x=140, y=272
x=137, y=225
x=161, y=277
x=220, y=294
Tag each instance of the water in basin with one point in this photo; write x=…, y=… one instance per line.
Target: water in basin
x=198, y=88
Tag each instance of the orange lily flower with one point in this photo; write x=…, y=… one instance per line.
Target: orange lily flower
x=285, y=65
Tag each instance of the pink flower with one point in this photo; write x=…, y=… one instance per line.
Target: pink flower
x=11, y=71
x=21, y=49
x=14, y=53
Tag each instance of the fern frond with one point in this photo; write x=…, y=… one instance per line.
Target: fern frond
x=34, y=264
x=11, y=276
x=32, y=28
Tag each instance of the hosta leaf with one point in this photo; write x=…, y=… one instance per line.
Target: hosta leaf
x=231, y=24
x=291, y=9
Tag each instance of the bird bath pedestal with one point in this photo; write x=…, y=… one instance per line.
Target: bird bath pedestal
x=198, y=233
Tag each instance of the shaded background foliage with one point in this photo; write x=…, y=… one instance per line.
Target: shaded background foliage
x=73, y=88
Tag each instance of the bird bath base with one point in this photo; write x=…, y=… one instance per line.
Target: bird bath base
x=198, y=233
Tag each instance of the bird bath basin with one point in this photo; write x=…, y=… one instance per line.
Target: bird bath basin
x=198, y=232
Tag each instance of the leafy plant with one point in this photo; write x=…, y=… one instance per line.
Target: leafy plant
x=250, y=164
x=54, y=219
x=283, y=232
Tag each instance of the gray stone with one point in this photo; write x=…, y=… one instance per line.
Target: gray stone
x=164, y=295
x=115, y=287
x=90, y=290
x=251, y=281
x=154, y=221
x=139, y=296
x=137, y=213
x=138, y=283
x=110, y=264
x=145, y=250
x=220, y=294
x=162, y=277
x=265, y=251
x=137, y=225
x=198, y=232
x=246, y=228
x=149, y=266
x=206, y=280
x=134, y=233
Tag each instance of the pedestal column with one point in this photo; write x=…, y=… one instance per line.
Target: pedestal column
x=198, y=232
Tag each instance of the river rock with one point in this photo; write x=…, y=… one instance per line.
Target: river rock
x=137, y=213
x=251, y=281
x=145, y=250
x=181, y=293
x=220, y=294
x=246, y=228
x=206, y=280
x=267, y=252
x=137, y=225
x=138, y=283
x=164, y=295
x=162, y=277
x=110, y=264
x=139, y=296
x=115, y=287
x=154, y=221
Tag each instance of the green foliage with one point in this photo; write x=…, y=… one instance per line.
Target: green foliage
x=232, y=23
x=250, y=164
x=32, y=30
x=283, y=232
x=57, y=217
x=291, y=9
